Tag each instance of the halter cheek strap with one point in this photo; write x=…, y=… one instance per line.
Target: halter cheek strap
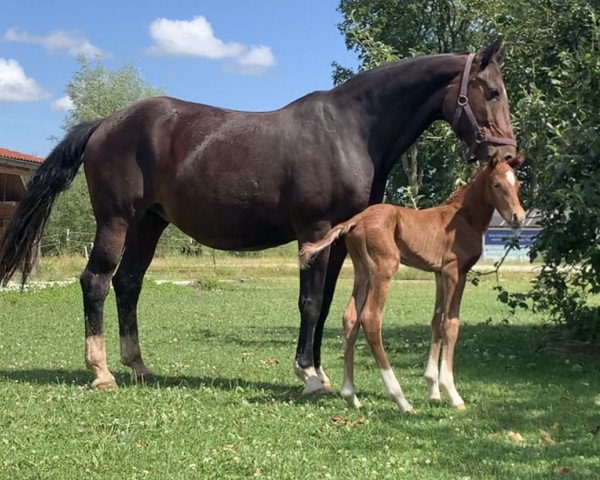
x=462, y=105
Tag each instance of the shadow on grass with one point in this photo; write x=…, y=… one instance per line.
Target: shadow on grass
x=267, y=391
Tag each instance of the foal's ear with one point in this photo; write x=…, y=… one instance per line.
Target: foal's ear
x=493, y=162
x=516, y=161
x=494, y=52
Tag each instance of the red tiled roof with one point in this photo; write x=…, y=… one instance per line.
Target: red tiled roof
x=6, y=153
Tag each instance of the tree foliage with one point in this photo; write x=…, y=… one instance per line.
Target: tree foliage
x=552, y=75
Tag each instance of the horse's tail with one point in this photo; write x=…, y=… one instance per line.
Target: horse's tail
x=310, y=250
x=54, y=175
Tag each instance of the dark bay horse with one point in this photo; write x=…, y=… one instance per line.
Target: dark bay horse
x=243, y=181
x=446, y=240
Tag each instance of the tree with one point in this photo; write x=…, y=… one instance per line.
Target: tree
x=552, y=74
x=96, y=92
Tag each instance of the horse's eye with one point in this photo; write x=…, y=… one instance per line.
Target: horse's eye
x=496, y=184
x=494, y=93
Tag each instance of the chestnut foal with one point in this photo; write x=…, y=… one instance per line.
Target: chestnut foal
x=446, y=240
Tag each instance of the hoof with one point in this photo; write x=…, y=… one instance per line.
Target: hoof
x=406, y=407
x=313, y=386
x=147, y=377
x=460, y=406
x=324, y=379
x=108, y=384
x=353, y=402
x=434, y=401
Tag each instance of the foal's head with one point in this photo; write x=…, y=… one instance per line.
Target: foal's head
x=477, y=107
x=502, y=189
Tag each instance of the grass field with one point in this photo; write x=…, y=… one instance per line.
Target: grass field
x=226, y=404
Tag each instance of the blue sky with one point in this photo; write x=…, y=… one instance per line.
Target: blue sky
x=242, y=54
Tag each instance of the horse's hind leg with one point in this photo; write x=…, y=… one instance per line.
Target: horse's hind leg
x=139, y=249
x=95, y=282
x=336, y=259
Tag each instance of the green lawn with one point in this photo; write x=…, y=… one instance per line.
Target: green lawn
x=227, y=404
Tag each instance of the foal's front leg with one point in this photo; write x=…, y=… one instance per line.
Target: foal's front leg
x=432, y=370
x=454, y=284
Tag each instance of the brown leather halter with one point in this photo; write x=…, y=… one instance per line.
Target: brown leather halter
x=462, y=105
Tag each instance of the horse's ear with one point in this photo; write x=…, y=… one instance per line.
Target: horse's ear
x=516, y=161
x=493, y=162
x=494, y=52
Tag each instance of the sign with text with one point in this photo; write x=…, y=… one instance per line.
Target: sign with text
x=496, y=240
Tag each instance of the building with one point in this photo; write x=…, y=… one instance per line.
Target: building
x=15, y=170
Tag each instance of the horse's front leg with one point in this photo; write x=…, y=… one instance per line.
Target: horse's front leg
x=454, y=284
x=312, y=281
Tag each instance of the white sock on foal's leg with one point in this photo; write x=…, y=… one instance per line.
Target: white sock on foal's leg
x=431, y=375
x=447, y=383
x=395, y=391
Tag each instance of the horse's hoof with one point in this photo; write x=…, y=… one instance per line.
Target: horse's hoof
x=314, y=386
x=147, y=377
x=110, y=384
x=460, y=406
x=434, y=401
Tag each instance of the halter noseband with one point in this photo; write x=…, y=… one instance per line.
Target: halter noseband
x=462, y=105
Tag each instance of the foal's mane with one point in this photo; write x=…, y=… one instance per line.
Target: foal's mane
x=457, y=195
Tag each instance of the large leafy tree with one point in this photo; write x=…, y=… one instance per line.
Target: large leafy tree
x=552, y=74
x=95, y=91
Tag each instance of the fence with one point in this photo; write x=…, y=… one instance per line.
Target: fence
x=173, y=242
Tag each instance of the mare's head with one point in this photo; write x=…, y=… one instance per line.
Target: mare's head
x=502, y=189
x=476, y=105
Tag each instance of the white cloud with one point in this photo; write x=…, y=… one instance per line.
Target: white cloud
x=60, y=41
x=16, y=86
x=63, y=104
x=196, y=38
x=255, y=61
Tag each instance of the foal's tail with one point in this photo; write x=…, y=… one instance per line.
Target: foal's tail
x=55, y=174
x=310, y=250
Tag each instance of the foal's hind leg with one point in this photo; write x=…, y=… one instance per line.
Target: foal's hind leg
x=351, y=327
x=139, y=249
x=95, y=282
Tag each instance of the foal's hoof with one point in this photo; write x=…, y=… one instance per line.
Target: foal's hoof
x=460, y=406
x=109, y=384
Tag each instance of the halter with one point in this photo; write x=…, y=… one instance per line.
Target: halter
x=462, y=105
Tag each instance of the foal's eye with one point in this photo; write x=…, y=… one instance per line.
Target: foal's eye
x=496, y=184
